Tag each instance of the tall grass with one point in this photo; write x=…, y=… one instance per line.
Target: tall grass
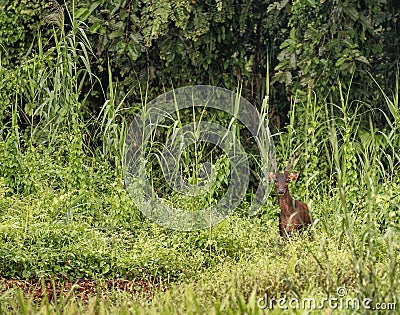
x=65, y=214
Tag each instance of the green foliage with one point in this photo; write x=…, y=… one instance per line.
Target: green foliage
x=64, y=212
x=331, y=39
x=19, y=26
x=164, y=44
x=161, y=44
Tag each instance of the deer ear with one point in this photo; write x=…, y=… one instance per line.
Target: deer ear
x=293, y=175
x=271, y=176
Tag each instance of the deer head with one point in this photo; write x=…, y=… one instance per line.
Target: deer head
x=282, y=179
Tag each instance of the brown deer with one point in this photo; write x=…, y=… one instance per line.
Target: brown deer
x=294, y=213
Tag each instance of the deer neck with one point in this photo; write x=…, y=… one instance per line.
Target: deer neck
x=286, y=203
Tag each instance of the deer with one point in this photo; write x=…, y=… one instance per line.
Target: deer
x=294, y=214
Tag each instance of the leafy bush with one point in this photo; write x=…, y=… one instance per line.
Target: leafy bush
x=19, y=26
x=330, y=40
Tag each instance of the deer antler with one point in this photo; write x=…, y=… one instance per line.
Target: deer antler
x=273, y=162
x=290, y=164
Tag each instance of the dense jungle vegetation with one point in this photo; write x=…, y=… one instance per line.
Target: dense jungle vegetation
x=73, y=75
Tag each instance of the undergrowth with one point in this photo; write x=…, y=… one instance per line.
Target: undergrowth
x=65, y=214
